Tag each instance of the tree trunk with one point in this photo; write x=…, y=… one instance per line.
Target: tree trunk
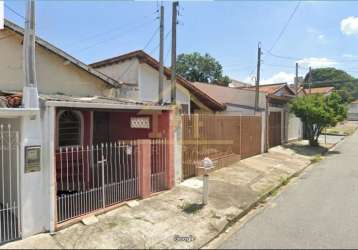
x=314, y=142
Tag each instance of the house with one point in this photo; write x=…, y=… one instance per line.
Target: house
x=320, y=90
x=140, y=72
x=84, y=150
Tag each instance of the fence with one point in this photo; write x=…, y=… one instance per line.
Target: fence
x=218, y=137
x=10, y=223
x=90, y=178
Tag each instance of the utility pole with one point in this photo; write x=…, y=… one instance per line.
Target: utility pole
x=258, y=77
x=296, y=79
x=310, y=80
x=174, y=52
x=161, y=55
x=30, y=93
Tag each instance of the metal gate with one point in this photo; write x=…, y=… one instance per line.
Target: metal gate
x=10, y=224
x=91, y=178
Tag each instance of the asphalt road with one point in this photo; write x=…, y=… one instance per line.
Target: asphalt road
x=318, y=210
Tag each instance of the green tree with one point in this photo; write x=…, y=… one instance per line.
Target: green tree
x=344, y=83
x=318, y=112
x=201, y=68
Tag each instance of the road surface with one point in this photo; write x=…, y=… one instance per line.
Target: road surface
x=318, y=210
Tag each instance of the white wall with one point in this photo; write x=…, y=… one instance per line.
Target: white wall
x=295, y=128
x=126, y=71
x=353, y=112
x=148, y=87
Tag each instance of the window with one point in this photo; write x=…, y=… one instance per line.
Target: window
x=69, y=128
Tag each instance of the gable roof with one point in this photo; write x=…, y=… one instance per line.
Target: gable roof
x=17, y=29
x=273, y=88
x=143, y=57
x=320, y=90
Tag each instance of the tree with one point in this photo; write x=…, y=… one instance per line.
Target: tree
x=318, y=112
x=344, y=83
x=201, y=68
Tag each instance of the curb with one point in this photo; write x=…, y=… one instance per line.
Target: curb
x=267, y=195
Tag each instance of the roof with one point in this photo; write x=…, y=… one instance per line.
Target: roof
x=320, y=90
x=64, y=55
x=226, y=95
x=146, y=58
x=13, y=100
x=272, y=88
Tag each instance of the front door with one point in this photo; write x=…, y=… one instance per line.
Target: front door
x=100, y=127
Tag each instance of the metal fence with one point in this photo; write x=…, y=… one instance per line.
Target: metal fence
x=219, y=137
x=10, y=223
x=90, y=178
x=159, y=164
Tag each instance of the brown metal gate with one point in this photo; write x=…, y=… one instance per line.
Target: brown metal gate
x=274, y=131
x=219, y=137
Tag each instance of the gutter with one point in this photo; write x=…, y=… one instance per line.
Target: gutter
x=18, y=112
x=104, y=105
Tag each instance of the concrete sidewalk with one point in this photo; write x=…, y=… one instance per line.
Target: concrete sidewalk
x=174, y=219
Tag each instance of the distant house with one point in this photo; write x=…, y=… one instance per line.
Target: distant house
x=239, y=100
x=320, y=90
x=284, y=126
x=353, y=111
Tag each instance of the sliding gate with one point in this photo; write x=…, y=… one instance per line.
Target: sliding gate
x=10, y=226
x=91, y=178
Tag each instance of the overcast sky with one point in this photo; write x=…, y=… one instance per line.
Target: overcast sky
x=318, y=34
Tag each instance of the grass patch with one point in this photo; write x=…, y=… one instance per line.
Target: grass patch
x=192, y=208
x=316, y=158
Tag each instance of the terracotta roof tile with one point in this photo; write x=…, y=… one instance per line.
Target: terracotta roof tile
x=321, y=90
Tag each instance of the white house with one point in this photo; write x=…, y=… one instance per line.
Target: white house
x=140, y=73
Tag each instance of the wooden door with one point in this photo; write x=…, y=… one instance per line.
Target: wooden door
x=274, y=133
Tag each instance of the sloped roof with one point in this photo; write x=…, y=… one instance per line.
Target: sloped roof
x=226, y=95
x=146, y=58
x=320, y=90
x=272, y=88
x=12, y=99
x=108, y=80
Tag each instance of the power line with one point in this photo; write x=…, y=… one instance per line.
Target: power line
x=286, y=25
x=119, y=28
x=144, y=48
x=14, y=11
x=138, y=27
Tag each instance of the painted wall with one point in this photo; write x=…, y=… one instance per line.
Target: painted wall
x=295, y=128
x=148, y=87
x=54, y=74
x=126, y=71
x=353, y=112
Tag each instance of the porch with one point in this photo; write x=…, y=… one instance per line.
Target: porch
x=104, y=157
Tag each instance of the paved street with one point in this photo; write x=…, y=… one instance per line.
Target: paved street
x=319, y=210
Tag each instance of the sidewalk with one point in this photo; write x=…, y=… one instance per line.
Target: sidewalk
x=156, y=222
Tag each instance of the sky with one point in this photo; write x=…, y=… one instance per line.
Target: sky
x=318, y=34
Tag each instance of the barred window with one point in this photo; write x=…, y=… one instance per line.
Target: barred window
x=69, y=128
